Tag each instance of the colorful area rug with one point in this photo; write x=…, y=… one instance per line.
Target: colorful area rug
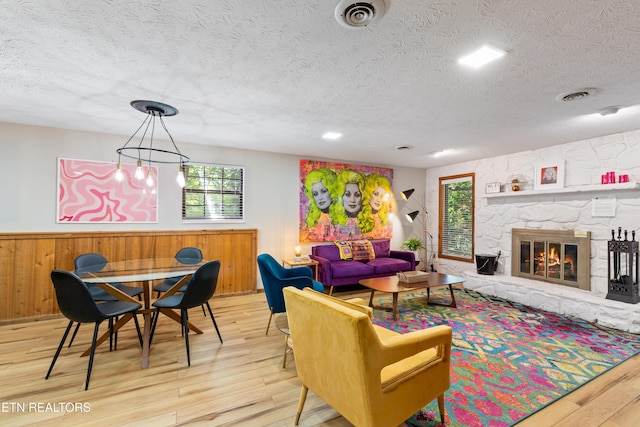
x=508, y=360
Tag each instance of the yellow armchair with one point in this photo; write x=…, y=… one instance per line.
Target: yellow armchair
x=370, y=375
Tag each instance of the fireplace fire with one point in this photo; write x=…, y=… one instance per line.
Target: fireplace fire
x=555, y=256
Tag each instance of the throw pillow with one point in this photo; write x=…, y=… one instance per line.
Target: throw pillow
x=344, y=248
x=362, y=250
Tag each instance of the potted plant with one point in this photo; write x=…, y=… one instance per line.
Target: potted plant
x=412, y=244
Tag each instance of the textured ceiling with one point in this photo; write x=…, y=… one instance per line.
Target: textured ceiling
x=275, y=75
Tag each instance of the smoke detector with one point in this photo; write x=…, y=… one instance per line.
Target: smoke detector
x=358, y=14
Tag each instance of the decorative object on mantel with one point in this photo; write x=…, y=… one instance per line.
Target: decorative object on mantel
x=517, y=182
x=152, y=154
x=623, y=268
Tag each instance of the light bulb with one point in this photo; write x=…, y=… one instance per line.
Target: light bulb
x=119, y=174
x=139, y=173
x=180, y=178
x=149, y=179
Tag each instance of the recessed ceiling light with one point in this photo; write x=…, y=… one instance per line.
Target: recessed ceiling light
x=576, y=94
x=482, y=56
x=445, y=152
x=332, y=135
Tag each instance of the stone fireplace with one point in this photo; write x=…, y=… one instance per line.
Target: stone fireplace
x=553, y=256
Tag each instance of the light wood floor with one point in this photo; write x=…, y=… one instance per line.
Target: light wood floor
x=238, y=383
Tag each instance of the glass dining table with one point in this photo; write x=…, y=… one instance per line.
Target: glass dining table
x=143, y=272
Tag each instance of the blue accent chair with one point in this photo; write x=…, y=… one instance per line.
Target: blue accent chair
x=275, y=277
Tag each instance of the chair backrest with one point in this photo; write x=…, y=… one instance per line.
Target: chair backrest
x=74, y=298
x=89, y=263
x=271, y=274
x=189, y=255
x=201, y=286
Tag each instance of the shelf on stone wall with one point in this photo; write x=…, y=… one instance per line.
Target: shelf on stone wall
x=595, y=188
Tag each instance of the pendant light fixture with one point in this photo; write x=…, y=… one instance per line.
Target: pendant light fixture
x=147, y=153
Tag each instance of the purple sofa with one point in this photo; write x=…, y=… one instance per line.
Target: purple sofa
x=332, y=271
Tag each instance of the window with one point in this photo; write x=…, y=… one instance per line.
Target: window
x=456, y=217
x=213, y=192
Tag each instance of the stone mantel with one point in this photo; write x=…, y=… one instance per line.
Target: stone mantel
x=565, y=300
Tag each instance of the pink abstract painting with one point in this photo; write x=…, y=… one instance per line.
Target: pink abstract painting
x=88, y=192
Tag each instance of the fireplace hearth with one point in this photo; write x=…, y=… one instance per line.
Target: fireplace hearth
x=555, y=256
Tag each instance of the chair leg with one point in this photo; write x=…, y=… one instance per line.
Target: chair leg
x=269, y=324
x=185, y=330
x=93, y=352
x=154, y=321
x=74, y=334
x=215, y=325
x=204, y=312
x=441, y=407
x=303, y=398
x=135, y=320
x=55, y=357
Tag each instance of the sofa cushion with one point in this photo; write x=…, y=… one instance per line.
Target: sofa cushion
x=389, y=265
x=362, y=250
x=344, y=248
x=329, y=252
x=382, y=248
x=350, y=269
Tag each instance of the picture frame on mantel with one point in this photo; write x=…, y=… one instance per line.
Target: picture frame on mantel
x=549, y=175
x=492, y=187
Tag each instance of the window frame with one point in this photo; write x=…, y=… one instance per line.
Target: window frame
x=443, y=205
x=214, y=219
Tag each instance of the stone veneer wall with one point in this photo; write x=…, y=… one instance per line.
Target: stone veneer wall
x=584, y=162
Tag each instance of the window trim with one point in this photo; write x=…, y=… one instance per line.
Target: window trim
x=235, y=220
x=445, y=180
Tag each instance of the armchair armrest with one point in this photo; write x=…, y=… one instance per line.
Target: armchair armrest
x=401, y=346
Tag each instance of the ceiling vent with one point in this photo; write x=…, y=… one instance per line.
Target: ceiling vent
x=358, y=14
x=575, y=95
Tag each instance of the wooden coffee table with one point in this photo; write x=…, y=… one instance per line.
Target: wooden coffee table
x=392, y=285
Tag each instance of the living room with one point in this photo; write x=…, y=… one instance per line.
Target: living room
x=269, y=116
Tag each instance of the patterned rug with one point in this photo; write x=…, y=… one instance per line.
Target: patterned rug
x=508, y=360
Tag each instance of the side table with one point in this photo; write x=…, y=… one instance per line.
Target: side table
x=282, y=323
x=291, y=262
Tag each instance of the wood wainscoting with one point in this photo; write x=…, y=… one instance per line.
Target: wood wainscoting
x=26, y=261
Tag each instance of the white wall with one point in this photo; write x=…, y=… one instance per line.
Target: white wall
x=585, y=161
x=28, y=192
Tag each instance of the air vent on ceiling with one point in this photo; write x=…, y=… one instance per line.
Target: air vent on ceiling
x=574, y=95
x=358, y=14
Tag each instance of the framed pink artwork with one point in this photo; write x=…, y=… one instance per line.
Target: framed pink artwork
x=88, y=192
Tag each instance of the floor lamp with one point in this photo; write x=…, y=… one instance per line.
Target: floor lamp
x=421, y=216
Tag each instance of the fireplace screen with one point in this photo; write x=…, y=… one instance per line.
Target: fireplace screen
x=549, y=260
x=553, y=256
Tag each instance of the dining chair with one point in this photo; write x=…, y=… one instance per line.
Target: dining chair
x=200, y=288
x=78, y=305
x=188, y=255
x=94, y=263
x=275, y=277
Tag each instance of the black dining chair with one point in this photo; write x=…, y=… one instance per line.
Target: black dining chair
x=198, y=291
x=77, y=304
x=94, y=263
x=188, y=255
